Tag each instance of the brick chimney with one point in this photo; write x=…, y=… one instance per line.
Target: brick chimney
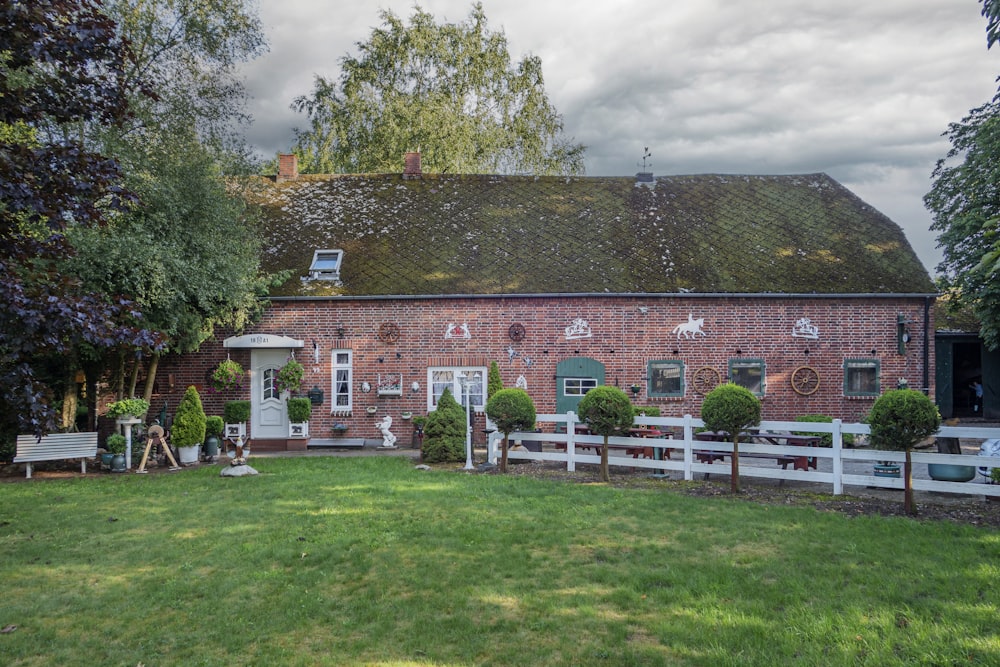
x=411, y=166
x=288, y=167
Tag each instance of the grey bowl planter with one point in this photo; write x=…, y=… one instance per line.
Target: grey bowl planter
x=948, y=472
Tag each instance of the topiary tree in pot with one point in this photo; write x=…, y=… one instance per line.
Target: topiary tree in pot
x=731, y=409
x=188, y=429
x=444, y=431
x=511, y=410
x=607, y=411
x=899, y=419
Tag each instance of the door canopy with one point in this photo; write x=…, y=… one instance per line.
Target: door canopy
x=260, y=341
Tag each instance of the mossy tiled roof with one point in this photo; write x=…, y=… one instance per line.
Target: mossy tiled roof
x=447, y=234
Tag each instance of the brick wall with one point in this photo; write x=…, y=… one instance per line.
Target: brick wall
x=626, y=333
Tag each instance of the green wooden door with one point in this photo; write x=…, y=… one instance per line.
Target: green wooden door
x=574, y=377
x=944, y=386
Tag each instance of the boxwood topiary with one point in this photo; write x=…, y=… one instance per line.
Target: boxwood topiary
x=444, y=431
x=236, y=412
x=299, y=409
x=189, y=421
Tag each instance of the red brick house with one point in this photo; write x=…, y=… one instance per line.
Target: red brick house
x=404, y=284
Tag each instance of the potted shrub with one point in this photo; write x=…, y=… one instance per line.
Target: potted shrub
x=188, y=431
x=128, y=409
x=115, y=444
x=511, y=410
x=227, y=375
x=299, y=411
x=731, y=409
x=607, y=411
x=899, y=419
x=214, y=428
x=290, y=376
x=236, y=414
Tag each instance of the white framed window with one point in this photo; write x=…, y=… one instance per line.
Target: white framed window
x=462, y=381
x=578, y=386
x=326, y=265
x=342, y=368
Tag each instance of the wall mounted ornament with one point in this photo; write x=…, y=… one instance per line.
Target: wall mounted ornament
x=390, y=384
x=578, y=329
x=691, y=328
x=457, y=331
x=805, y=380
x=511, y=353
x=388, y=332
x=516, y=332
x=705, y=379
x=804, y=328
x=521, y=382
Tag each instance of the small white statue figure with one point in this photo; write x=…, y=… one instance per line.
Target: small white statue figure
x=388, y=439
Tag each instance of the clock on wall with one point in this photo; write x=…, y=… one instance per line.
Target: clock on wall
x=805, y=380
x=705, y=379
x=516, y=332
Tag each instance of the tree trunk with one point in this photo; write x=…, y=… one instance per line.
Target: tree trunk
x=147, y=391
x=133, y=379
x=503, y=453
x=605, y=475
x=70, y=400
x=734, y=468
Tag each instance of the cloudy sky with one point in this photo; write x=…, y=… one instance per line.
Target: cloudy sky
x=859, y=89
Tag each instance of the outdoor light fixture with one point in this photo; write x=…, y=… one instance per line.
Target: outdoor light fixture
x=340, y=331
x=902, y=333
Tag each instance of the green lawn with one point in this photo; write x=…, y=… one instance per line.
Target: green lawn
x=366, y=561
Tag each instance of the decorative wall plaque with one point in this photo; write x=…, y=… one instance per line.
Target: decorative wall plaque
x=516, y=332
x=804, y=328
x=691, y=328
x=578, y=329
x=388, y=332
x=457, y=331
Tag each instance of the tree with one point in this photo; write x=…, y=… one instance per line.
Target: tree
x=731, y=409
x=511, y=410
x=448, y=90
x=965, y=203
x=61, y=65
x=899, y=419
x=991, y=11
x=607, y=411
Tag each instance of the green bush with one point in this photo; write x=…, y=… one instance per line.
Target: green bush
x=444, y=431
x=731, y=409
x=826, y=438
x=115, y=443
x=510, y=410
x=607, y=411
x=189, y=421
x=128, y=406
x=236, y=412
x=299, y=409
x=214, y=426
x=648, y=410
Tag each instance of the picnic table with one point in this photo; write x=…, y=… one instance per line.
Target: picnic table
x=636, y=451
x=803, y=462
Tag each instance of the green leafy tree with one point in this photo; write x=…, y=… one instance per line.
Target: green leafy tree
x=899, y=419
x=965, y=203
x=448, y=90
x=991, y=11
x=444, y=431
x=731, y=409
x=607, y=411
x=61, y=65
x=511, y=410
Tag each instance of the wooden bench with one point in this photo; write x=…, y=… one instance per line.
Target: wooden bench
x=56, y=447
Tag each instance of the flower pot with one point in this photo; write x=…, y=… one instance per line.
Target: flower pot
x=371, y=409
x=188, y=455
x=211, y=447
x=298, y=429
x=106, y=460
x=947, y=472
x=118, y=463
x=887, y=470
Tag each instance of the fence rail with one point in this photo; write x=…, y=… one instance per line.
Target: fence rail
x=681, y=431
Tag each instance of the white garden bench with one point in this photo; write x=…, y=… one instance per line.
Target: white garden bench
x=56, y=447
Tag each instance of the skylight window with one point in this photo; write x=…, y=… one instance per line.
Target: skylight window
x=325, y=265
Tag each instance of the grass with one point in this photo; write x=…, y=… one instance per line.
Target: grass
x=366, y=561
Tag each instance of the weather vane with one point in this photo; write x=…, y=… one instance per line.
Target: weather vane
x=645, y=155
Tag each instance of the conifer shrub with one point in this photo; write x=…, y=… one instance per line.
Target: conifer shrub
x=189, y=421
x=444, y=432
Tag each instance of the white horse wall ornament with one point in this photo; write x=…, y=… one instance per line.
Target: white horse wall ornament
x=691, y=328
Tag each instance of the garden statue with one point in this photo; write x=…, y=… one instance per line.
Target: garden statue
x=988, y=448
x=388, y=439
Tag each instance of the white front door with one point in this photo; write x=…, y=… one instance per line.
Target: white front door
x=269, y=419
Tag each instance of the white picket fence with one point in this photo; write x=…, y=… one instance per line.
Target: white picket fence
x=833, y=474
